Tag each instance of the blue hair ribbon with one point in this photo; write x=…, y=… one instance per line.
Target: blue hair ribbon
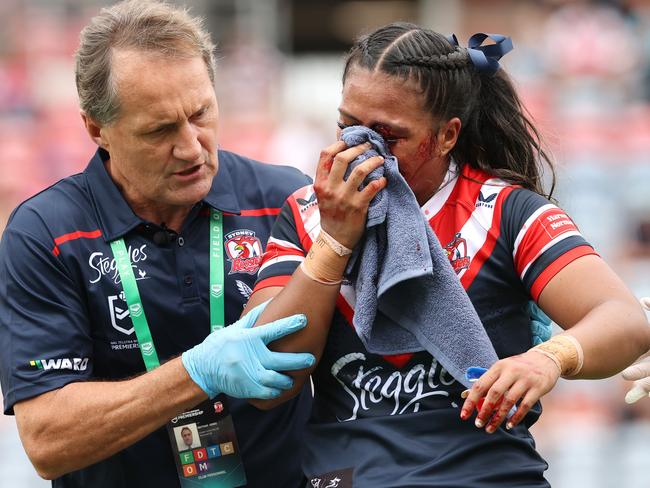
x=485, y=58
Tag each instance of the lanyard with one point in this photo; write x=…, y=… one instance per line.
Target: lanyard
x=134, y=302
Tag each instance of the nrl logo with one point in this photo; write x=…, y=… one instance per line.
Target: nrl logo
x=136, y=310
x=216, y=290
x=119, y=314
x=147, y=348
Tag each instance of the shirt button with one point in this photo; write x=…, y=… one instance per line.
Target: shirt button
x=188, y=280
x=181, y=241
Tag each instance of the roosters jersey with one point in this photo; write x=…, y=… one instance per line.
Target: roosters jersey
x=505, y=244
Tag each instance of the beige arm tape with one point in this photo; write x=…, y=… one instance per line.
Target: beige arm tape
x=565, y=351
x=335, y=245
x=323, y=262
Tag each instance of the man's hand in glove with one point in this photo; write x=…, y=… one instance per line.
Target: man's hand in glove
x=235, y=360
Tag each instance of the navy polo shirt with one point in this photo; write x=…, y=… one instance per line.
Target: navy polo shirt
x=63, y=317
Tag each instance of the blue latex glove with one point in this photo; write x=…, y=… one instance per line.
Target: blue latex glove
x=541, y=327
x=235, y=360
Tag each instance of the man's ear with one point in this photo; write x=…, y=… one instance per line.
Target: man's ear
x=94, y=130
x=448, y=135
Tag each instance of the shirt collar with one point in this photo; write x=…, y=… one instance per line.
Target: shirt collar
x=441, y=195
x=115, y=216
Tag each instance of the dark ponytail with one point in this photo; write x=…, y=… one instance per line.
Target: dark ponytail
x=496, y=134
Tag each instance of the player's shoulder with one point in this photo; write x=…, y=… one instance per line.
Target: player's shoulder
x=523, y=205
x=487, y=187
x=524, y=198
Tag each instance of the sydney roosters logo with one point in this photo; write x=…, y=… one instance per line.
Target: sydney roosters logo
x=457, y=253
x=244, y=251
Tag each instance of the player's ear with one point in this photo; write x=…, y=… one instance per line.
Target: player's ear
x=448, y=135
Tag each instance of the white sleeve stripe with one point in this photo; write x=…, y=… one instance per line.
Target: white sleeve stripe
x=280, y=259
x=548, y=246
x=528, y=223
x=283, y=243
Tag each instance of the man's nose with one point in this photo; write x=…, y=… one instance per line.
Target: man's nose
x=187, y=146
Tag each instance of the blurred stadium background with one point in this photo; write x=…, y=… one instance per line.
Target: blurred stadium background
x=582, y=67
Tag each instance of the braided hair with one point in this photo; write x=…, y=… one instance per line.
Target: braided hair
x=496, y=134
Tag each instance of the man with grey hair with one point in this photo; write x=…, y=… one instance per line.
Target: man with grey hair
x=138, y=263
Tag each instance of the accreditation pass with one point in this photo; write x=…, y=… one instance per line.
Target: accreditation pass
x=205, y=446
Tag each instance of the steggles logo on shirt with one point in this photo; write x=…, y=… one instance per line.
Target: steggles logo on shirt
x=102, y=265
x=369, y=388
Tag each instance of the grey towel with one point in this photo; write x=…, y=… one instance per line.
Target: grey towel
x=401, y=266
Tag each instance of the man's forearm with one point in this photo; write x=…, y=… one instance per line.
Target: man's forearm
x=85, y=422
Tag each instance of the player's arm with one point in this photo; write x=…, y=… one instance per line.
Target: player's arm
x=593, y=305
x=343, y=210
x=605, y=326
x=591, y=302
